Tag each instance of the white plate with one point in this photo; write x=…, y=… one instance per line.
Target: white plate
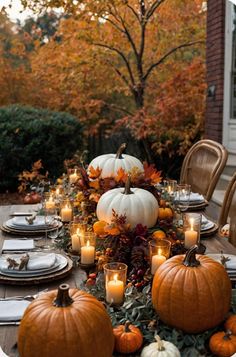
x=231, y=264
x=31, y=227
x=61, y=262
x=206, y=226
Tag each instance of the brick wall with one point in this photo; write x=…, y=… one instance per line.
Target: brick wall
x=215, y=68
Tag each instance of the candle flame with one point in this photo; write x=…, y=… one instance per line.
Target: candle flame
x=159, y=251
x=78, y=231
x=116, y=277
x=191, y=223
x=57, y=191
x=88, y=243
x=50, y=198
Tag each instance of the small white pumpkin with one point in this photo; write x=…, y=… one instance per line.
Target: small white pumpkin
x=139, y=205
x=225, y=230
x=111, y=163
x=160, y=348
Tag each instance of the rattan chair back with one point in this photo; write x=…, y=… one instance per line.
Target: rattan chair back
x=228, y=209
x=203, y=166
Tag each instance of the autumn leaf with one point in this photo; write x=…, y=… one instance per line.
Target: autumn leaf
x=150, y=173
x=121, y=175
x=94, y=184
x=94, y=173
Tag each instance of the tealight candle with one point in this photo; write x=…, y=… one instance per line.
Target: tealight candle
x=87, y=254
x=157, y=260
x=190, y=236
x=115, y=291
x=50, y=203
x=66, y=214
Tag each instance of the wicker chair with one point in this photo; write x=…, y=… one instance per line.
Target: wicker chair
x=228, y=209
x=203, y=166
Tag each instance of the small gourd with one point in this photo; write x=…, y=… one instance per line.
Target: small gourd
x=128, y=338
x=223, y=344
x=160, y=348
x=230, y=324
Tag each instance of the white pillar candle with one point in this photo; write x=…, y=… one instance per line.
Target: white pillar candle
x=75, y=240
x=66, y=214
x=73, y=177
x=157, y=260
x=50, y=204
x=87, y=254
x=190, y=236
x=115, y=291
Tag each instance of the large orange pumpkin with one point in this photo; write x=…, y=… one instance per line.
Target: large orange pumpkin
x=192, y=293
x=63, y=324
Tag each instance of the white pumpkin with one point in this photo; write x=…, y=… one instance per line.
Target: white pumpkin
x=160, y=348
x=139, y=205
x=111, y=163
x=225, y=230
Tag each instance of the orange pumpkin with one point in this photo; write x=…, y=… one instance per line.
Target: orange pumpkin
x=165, y=213
x=223, y=344
x=230, y=324
x=98, y=227
x=192, y=293
x=63, y=324
x=128, y=338
x=159, y=234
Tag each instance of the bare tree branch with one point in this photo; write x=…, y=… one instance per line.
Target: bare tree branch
x=134, y=12
x=113, y=23
x=118, y=108
x=153, y=8
x=121, y=54
x=162, y=59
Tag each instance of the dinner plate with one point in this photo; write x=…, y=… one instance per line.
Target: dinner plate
x=7, y=229
x=209, y=232
x=206, y=226
x=61, y=262
x=29, y=227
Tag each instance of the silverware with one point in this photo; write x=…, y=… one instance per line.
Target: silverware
x=21, y=251
x=6, y=323
x=24, y=297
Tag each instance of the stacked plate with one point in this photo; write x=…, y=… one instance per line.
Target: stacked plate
x=230, y=264
x=39, y=264
x=206, y=224
x=196, y=201
x=20, y=225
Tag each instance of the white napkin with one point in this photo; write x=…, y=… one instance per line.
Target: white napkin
x=231, y=264
x=196, y=197
x=37, y=261
x=38, y=222
x=2, y=354
x=12, y=310
x=18, y=244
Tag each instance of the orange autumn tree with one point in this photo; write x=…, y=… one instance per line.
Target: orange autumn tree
x=120, y=52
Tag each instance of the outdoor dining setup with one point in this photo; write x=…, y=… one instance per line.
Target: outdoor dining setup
x=117, y=259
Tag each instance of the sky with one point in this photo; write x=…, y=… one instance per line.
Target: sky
x=14, y=13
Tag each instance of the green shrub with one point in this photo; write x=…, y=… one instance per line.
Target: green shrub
x=28, y=134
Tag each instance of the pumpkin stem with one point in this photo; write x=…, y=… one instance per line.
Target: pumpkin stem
x=227, y=335
x=127, y=324
x=120, y=151
x=63, y=298
x=160, y=344
x=127, y=190
x=190, y=257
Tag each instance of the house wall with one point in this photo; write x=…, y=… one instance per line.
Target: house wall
x=215, y=69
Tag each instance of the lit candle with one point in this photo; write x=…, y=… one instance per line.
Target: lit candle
x=73, y=177
x=115, y=291
x=75, y=240
x=50, y=204
x=66, y=214
x=87, y=254
x=190, y=236
x=157, y=260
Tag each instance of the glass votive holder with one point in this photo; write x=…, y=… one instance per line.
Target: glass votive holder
x=170, y=186
x=59, y=193
x=49, y=200
x=159, y=252
x=77, y=231
x=72, y=175
x=66, y=211
x=191, y=229
x=115, y=281
x=88, y=248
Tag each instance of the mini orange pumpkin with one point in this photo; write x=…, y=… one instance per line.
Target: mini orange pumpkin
x=230, y=324
x=223, y=344
x=98, y=227
x=165, y=213
x=159, y=234
x=183, y=282
x=128, y=338
x=61, y=324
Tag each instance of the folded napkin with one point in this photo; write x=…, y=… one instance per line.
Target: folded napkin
x=12, y=310
x=18, y=244
x=37, y=261
x=196, y=197
x=38, y=222
x=230, y=264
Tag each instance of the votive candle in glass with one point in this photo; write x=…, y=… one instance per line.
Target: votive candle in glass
x=191, y=229
x=66, y=211
x=115, y=282
x=88, y=245
x=77, y=231
x=73, y=175
x=159, y=250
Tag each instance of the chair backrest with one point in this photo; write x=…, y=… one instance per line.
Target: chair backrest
x=228, y=209
x=203, y=165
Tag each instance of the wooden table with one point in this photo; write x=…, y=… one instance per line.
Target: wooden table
x=8, y=334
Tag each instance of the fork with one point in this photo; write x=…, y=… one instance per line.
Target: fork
x=26, y=297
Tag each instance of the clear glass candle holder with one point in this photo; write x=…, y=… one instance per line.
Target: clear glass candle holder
x=66, y=211
x=49, y=201
x=77, y=231
x=191, y=229
x=170, y=186
x=115, y=282
x=88, y=248
x=59, y=193
x=73, y=175
x=159, y=252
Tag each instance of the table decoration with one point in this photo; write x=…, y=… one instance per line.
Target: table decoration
x=128, y=338
x=191, y=229
x=66, y=210
x=160, y=348
x=83, y=330
x=49, y=201
x=115, y=281
x=73, y=176
x=88, y=244
x=223, y=344
x=77, y=231
x=159, y=250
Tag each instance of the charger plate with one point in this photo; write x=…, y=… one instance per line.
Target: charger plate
x=197, y=206
x=209, y=232
x=38, y=279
